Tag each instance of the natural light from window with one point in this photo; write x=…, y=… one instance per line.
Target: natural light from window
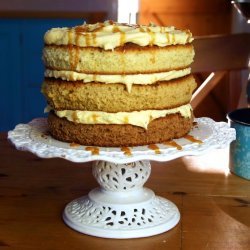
x=127, y=11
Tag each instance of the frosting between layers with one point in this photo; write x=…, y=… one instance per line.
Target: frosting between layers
x=128, y=80
x=136, y=118
x=109, y=35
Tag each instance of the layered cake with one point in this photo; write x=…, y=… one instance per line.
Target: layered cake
x=111, y=84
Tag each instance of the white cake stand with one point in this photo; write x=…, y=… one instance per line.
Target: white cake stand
x=121, y=207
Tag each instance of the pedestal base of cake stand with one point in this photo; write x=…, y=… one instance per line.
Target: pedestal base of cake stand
x=121, y=208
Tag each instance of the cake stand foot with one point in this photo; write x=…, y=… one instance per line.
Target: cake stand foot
x=121, y=208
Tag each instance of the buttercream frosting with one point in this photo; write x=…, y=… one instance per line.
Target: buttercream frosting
x=109, y=35
x=128, y=80
x=136, y=118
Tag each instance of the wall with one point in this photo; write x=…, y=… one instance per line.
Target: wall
x=109, y=6
x=239, y=80
x=201, y=17
x=22, y=26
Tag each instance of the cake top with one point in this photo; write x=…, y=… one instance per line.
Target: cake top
x=109, y=35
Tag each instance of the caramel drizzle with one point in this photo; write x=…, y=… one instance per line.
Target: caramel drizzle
x=74, y=117
x=122, y=38
x=101, y=26
x=167, y=37
x=126, y=120
x=88, y=38
x=116, y=29
x=152, y=37
x=111, y=22
x=173, y=144
x=70, y=36
x=73, y=38
x=122, y=34
x=94, y=38
x=94, y=117
x=74, y=145
x=195, y=125
x=77, y=31
x=76, y=59
x=151, y=118
x=152, y=59
x=77, y=38
x=155, y=148
x=81, y=29
x=141, y=29
x=192, y=139
x=173, y=38
x=45, y=136
x=126, y=151
x=93, y=150
x=77, y=51
x=70, y=48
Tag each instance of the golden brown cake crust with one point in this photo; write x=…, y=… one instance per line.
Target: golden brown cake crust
x=63, y=95
x=159, y=130
x=128, y=59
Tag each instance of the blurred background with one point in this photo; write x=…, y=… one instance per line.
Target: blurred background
x=24, y=22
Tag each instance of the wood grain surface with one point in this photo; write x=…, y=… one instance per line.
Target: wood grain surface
x=214, y=204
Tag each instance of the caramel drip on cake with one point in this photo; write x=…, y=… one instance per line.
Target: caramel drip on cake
x=45, y=136
x=167, y=37
x=70, y=36
x=173, y=144
x=80, y=29
x=77, y=38
x=137, y=34
x=126, y=151
x=101, y=25
x=94, y=117
x=126, y=120
x=141, y=29
x=152, y=59
x=94, y=38
x=93, y=150
x=192, y=139
x=122, y=38
x=77, y=52
x=195, y=123
x=75, y=117
x=173, y=38
x=122, y=35
x=110, y=22
x=73, y=59
x=116, y=29
x=155, y=148
x=152, y=37
x=74, y=145
x=88, y=39
x=76, y=59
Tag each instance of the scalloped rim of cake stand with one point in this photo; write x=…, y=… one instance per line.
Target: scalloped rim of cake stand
x=34, y=137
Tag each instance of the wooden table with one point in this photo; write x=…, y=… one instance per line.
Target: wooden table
x=214, y=204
